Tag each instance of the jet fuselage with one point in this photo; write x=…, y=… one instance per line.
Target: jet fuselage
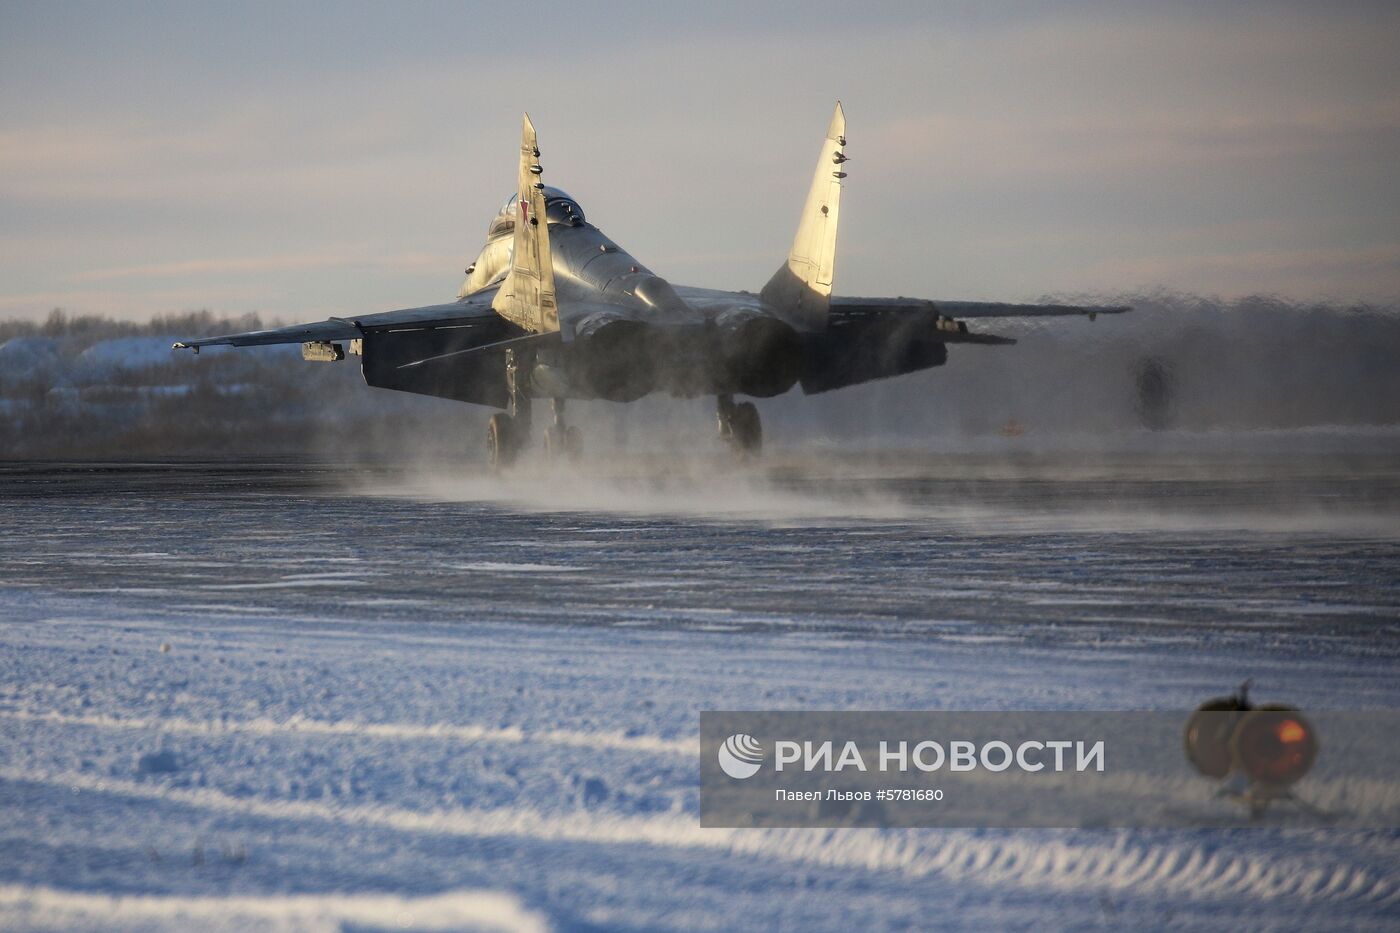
x=629, y=332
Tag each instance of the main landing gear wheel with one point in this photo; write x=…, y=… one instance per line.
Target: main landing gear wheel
x=563, y=441
x=740, y=426
x=501, y=441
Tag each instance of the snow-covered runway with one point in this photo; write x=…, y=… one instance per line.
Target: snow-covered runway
x=321, y=698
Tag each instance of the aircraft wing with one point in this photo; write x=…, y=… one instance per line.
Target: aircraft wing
x=866, y=307
x=464, y=313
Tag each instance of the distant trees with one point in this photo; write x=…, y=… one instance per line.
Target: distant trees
x=59, y=401
x=59, y=323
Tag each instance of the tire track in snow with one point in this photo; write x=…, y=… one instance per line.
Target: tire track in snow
x=298, y=725
x=53, y=908
x=1181, y=870
x=1380, y=799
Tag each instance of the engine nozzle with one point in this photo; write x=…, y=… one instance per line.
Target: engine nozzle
x=611, y=358
x=760, y=356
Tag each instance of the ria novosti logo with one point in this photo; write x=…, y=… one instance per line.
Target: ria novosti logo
x=740, y=756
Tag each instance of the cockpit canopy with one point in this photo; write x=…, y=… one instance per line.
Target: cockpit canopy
x=559, y=208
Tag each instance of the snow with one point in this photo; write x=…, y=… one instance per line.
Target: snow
x=109, y=356
x=28, y=356
x=477, y=712
x=43, y=907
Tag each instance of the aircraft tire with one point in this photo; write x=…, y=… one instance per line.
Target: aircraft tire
x=562, y=442
x=747, y=429
x=500, y=440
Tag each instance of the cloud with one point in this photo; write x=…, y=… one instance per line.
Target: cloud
x=997, y=155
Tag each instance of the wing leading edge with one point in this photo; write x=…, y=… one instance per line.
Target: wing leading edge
x=463, y=313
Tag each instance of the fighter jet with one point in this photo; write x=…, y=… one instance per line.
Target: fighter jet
x=553, y=309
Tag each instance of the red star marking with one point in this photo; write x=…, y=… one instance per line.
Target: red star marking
x=525, y=209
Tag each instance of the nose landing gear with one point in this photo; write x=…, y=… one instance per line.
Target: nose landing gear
x=739, y=425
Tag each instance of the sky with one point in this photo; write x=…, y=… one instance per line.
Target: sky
x=304, y=160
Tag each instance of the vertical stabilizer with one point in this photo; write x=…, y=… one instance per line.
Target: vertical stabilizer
x=527, y=295
x=801, y=290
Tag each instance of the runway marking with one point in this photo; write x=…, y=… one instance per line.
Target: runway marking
x=44, y=907
x=298, y=725
x=1039, y=862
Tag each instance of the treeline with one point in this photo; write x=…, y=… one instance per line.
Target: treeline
x=93, y=327
x=94, y=387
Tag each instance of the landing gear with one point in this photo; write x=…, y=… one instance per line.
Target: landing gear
x=562, y=440
x=740, y=425
x=501, y=442
x=509, y=431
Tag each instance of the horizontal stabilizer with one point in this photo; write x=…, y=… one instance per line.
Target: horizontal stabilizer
x=966, y=309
